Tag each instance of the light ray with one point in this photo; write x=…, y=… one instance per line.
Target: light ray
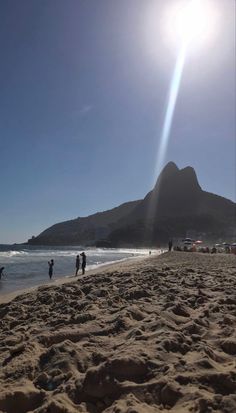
x=165, y=134
x=172, y=99
x=190, y=24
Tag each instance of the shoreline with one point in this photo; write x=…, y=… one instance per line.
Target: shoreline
x=5, y=298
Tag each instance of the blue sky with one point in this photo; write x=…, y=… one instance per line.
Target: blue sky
x=84, y=86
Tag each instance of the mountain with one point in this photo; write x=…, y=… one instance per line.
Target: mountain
x=175, y=208
x=84, y=230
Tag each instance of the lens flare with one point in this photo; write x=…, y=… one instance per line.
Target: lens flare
x=190, y=22
x=172, y=98
x=165, y=133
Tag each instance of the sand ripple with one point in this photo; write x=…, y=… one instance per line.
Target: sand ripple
x=157, y=335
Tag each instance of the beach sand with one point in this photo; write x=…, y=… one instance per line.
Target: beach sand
x=152, y=335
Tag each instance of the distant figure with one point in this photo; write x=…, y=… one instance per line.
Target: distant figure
x=150, y=252
x=77, y=265
x=50, y=268
x=170, y=245
x=83, y=262
x=1, y=272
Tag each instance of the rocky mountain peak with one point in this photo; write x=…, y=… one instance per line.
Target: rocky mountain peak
x=171, y=176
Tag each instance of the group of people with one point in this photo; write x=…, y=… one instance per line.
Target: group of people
x=77, y=265
x=78, y=261
x=51, y=265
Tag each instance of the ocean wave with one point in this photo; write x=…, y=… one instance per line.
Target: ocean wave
x=9, y=254
x=96, y=252
x=38, y=253
x=28, y=267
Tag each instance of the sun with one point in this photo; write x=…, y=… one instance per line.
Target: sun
x=191, y=22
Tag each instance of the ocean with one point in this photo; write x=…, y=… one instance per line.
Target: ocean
x=27, y=266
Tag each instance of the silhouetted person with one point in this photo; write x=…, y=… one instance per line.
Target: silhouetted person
x=50, y=268
x=1, y=272
x=170, y=245
x=77, y=265
x=83, y=262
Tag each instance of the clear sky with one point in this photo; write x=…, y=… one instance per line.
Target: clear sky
x=83, y=92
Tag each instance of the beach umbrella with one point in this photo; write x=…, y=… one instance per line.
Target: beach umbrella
x=233, y=245
x=188, y=240
x=198, y=242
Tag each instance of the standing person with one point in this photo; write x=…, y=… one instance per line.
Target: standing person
x=77, y=265
x=83, y=262
x=1, y=272
x=170, y=244
x=50, y=268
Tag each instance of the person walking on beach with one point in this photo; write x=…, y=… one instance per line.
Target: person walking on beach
x=83, y=262
x=77, y=265
x=1, y=272
x=50, y=268
x=170, y=244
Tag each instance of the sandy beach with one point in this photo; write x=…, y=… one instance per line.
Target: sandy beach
x=151, y=335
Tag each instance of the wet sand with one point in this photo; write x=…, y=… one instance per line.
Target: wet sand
x=152, y=335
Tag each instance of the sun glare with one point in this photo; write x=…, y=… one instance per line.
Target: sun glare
x=191, y=22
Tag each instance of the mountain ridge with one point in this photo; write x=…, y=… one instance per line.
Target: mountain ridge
x=176, y=205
